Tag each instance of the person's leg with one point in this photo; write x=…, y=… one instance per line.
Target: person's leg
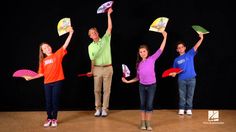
x=148, y=120
x=142, y=93
x=143, y=122
x=191, y=83
x=151, y=90
x=97, y=89
x=107, y=79
x=182, y=96
x=48, y=99
x=56, y=91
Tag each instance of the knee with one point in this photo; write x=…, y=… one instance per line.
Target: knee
x=149, y=108
x=97, y=91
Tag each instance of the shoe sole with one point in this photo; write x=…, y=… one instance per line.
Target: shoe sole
x=104, y=115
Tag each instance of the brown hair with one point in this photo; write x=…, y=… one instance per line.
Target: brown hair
x=180, y=42
x=138, y=56
x=41, y=54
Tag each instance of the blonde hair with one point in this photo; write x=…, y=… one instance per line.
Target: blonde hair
x=93, y=28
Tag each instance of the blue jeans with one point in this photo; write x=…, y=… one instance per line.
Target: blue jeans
x=186, y=92
x=52, y=92
x=147, y=93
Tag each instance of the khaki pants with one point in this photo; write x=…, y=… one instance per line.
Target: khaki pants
x=102, y=77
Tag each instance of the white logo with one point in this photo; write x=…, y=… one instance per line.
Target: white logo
x=181, y=61
x=213, y=118
x=213, y=115
x=49, y=61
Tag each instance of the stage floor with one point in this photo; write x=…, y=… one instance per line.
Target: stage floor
x=120, y=121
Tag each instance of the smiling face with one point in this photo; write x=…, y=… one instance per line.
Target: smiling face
x=143, y=53
x=181, y=48
x=46, y=49
x=93, y=34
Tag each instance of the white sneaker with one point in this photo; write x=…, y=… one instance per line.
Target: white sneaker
x=47, y=123
x=54, y=123
x=143, y=125
x=189, y=112
x=149, y=128
x=104, y=113
x=97, y=113
x=181, y=111
x=148, y=124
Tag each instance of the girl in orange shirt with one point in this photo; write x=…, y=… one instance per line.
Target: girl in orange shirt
x=50, y=66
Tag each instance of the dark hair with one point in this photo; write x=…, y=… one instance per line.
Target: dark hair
x=180, y=42
x=139, y=59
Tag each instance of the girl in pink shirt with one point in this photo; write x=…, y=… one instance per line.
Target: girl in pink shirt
x=147, y=81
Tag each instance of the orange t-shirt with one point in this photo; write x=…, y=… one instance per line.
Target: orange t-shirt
x=51, y=67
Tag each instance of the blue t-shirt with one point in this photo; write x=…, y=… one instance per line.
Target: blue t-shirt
x=186, y=63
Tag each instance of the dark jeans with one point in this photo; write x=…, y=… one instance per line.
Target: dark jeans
x=186, y=92
x=52, y=92
x=147, y=93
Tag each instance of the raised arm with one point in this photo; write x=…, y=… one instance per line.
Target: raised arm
x=71, y=31
x=164, y=33
x=199, y=42
x=109, y=21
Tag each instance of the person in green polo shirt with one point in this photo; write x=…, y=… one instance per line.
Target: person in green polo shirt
x=101, y=66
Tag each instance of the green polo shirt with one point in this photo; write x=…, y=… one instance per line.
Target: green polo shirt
x=100, y=52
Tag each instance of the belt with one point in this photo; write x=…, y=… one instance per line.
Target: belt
x=103, y=65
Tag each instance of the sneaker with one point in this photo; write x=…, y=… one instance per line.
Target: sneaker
x=104, y=113
x=54, y=123
x=47, y=123
x=181, y=112
x=143, y=125
x=148, y=124
x=97, y=113
x=189, y=112
x=149, y=128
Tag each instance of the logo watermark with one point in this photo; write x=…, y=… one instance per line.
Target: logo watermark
x=213, y=117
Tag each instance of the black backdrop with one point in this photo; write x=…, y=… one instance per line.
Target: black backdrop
x=26, y=24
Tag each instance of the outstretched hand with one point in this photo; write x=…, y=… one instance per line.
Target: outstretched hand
x=27, y=78
x=173, y=74
x=124, y=80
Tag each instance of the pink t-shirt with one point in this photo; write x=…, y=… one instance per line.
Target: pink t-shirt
x=146, y=69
